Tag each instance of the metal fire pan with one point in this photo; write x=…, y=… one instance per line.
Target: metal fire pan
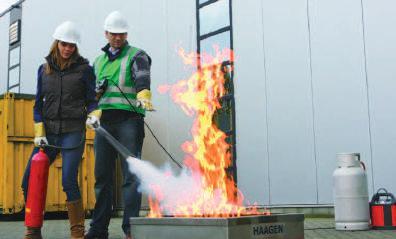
x=276, y=226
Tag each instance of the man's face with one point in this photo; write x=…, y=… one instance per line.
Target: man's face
x=116, y=40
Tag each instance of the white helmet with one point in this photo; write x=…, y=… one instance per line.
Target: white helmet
x=67, y=32
x=115, y=22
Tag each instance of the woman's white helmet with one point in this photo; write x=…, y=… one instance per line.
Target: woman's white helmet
x=67, y=32
x=115, y=22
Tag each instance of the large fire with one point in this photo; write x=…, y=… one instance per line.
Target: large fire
x=207, y=155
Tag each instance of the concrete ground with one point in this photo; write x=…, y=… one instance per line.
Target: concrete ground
x=315, y=228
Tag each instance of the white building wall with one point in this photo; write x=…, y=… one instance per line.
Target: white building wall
x=380, y=19
x=4, y=24
x=339, y=86
x=251, y=101
x=289, y=102
x=310, y=83
x=274, y=102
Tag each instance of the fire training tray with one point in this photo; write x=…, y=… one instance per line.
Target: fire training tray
x=275, y=226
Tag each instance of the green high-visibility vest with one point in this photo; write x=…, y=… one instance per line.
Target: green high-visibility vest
x=118, y=73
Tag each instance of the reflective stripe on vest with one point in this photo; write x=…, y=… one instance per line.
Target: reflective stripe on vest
x=118, y=100
x=124, y=61
x=126, y=90
x=119, y=70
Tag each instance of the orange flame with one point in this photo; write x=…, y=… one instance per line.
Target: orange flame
x=208, y=154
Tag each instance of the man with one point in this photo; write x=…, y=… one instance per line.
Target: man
x=123, y=78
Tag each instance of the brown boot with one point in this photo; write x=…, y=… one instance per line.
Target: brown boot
x=33, y=233
x=76, y=214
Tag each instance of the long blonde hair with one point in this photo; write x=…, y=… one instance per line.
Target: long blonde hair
x=55, y=56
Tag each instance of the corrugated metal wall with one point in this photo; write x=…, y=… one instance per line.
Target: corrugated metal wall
x=16, y=145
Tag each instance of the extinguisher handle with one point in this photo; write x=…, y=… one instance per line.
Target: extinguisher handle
x=382, y=189
x=380, y=194
x=363, y=165
x=385, y=194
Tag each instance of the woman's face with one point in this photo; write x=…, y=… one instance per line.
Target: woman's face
x=66, y=49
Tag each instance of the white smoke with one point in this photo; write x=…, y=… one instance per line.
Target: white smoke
x=182, y=189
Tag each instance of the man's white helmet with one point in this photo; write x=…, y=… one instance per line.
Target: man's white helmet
x=115, y=22
x=67, y=32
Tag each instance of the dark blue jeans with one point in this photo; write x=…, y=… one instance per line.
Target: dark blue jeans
x=71, y=159
x=130, y=133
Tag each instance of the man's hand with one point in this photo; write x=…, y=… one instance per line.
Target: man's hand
x=144, y=100
x=93, y=119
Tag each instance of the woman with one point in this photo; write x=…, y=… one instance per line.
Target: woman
x=65, y=95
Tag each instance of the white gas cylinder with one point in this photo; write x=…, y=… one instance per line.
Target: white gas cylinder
x=351, y=201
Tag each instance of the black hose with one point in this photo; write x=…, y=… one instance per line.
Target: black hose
x=125, y=153
x=43, y=145
x=148, y=127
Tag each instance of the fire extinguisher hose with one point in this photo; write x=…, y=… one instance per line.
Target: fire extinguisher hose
x=61, y=147
x=125, y=153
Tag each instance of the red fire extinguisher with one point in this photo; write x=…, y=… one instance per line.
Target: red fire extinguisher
x=37, y=190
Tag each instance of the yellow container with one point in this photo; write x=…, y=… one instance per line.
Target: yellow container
x=16, y=145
